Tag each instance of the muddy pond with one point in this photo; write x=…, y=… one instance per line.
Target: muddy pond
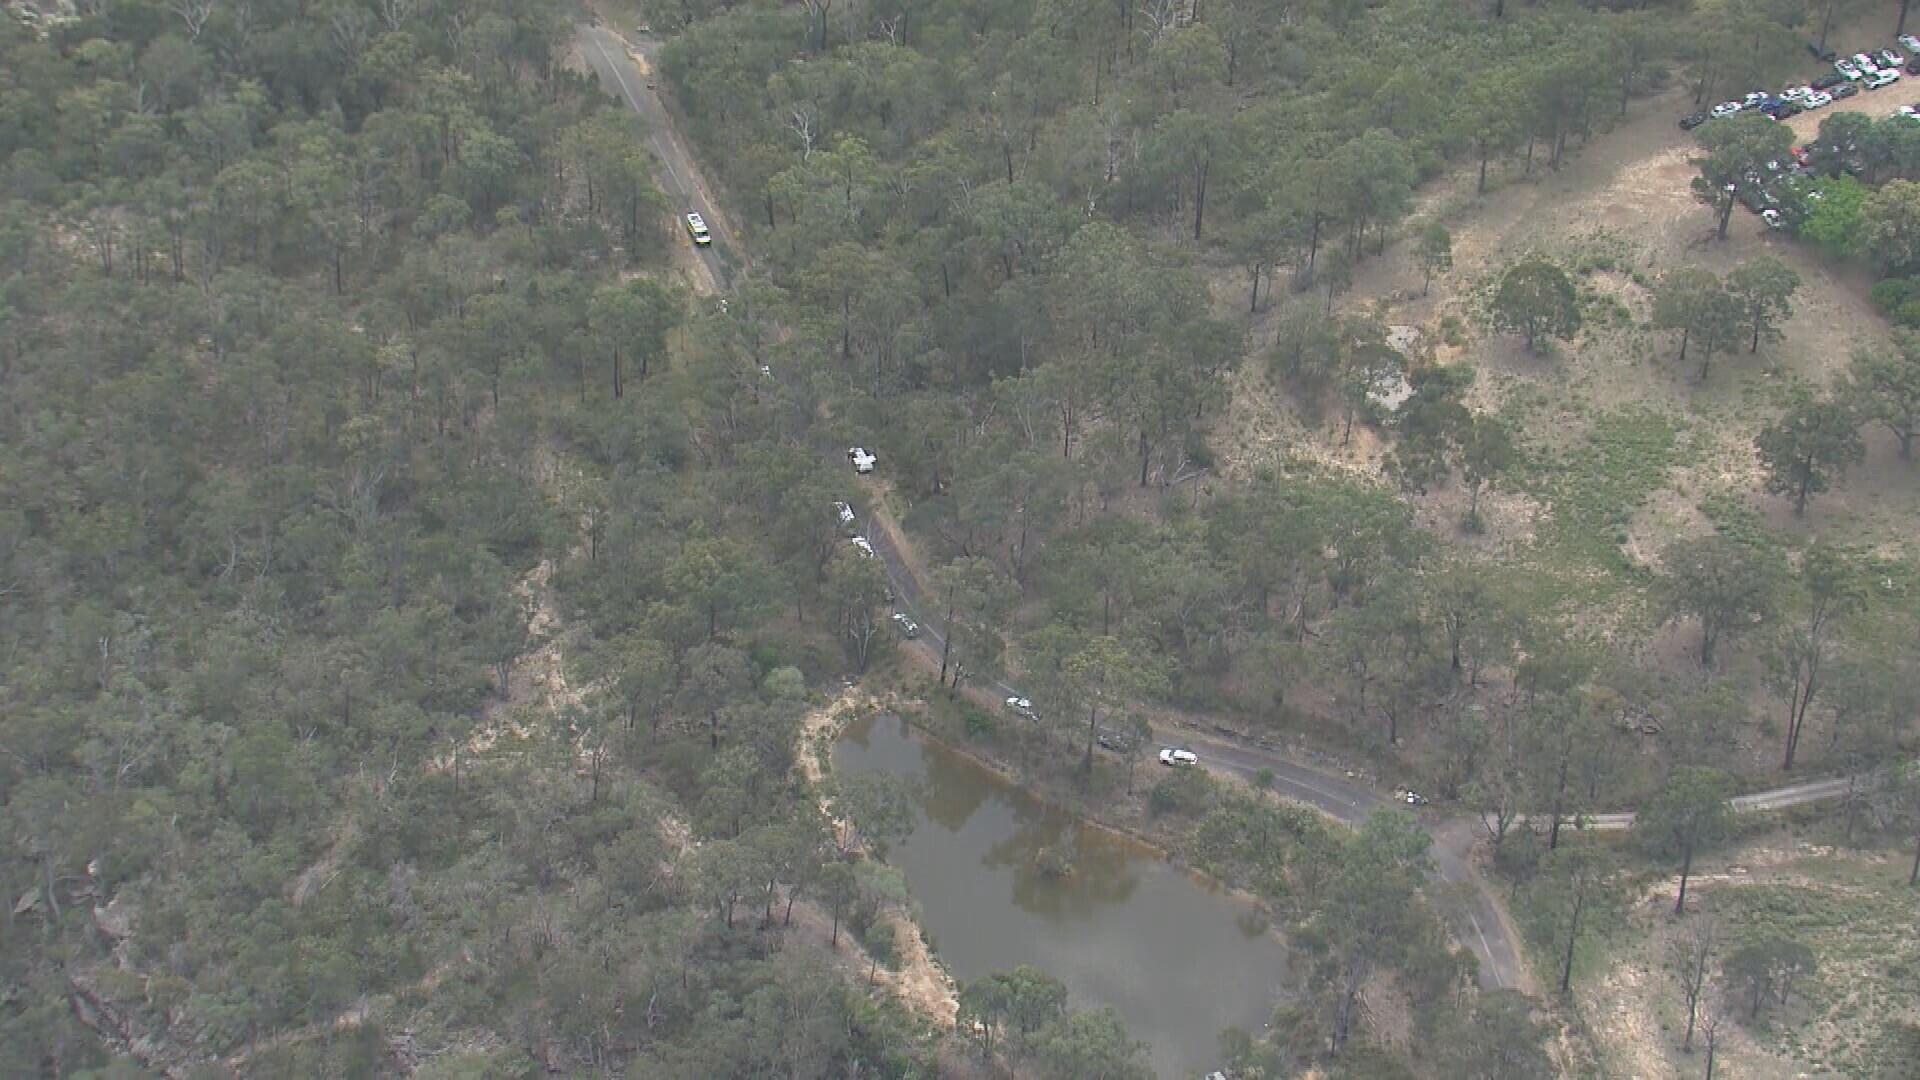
x=1180, y=960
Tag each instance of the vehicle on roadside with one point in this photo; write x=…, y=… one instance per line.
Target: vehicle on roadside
x=908, y=628
x=1789, y=110
x=1774, y=218
x=1847, y=68
x=1726, y=109
x=1022, y=707
x=1692, y=120
x=1412, y=797
x=863, y=462
x=1819, y=99
x=1880, y=78
x=1909, y=43
x=697, y=228
x=1827, y=82
x=844, y=511
x=1887, y=59
x=1865, y=64
x=1845, y=90
x=1824, y=55
x=862, y=545
x=1178, y=758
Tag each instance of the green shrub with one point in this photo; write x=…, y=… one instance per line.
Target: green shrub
x=1890, y=293
x=977, y=721
x=1184, y=791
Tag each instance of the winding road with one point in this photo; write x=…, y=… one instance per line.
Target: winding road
x=625, y=67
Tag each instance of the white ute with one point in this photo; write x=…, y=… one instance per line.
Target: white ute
x=1178, y=758
x=863, y=462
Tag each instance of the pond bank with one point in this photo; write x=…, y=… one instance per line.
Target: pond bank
x=1003, y=878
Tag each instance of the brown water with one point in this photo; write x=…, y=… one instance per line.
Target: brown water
x=1179, y=959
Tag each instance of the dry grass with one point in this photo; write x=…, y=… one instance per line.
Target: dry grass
x=1853, y=909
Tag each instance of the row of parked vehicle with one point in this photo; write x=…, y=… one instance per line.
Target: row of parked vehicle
x=1850, y=75
x=843, y=510
x=1783, y=193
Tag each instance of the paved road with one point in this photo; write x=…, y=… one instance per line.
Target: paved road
x=1776, y=799
x=624, y=68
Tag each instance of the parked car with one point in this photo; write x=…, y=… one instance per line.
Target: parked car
x=1179, y=758
x=1819, y=99
x=1412, y=798
x=1880, y=78
x=844, y=511
x=697, y=228
x=1788, y=110
x=1773, y=218
x=863, y=462
x=1692, y=120
x=908, y=628
x=1726, y=109
x=1909, y=43
x=1887, y=58
x=1828, y=82
x=862, y=545
x=1755, y=99
x=1847, y=68
x=1865, y=64
x=1845, y=90
x=1022, y=707
x=1824, y=55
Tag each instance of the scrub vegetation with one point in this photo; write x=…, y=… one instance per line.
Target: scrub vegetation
x=421, y=575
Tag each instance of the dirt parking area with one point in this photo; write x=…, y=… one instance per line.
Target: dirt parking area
x=1621, y=210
